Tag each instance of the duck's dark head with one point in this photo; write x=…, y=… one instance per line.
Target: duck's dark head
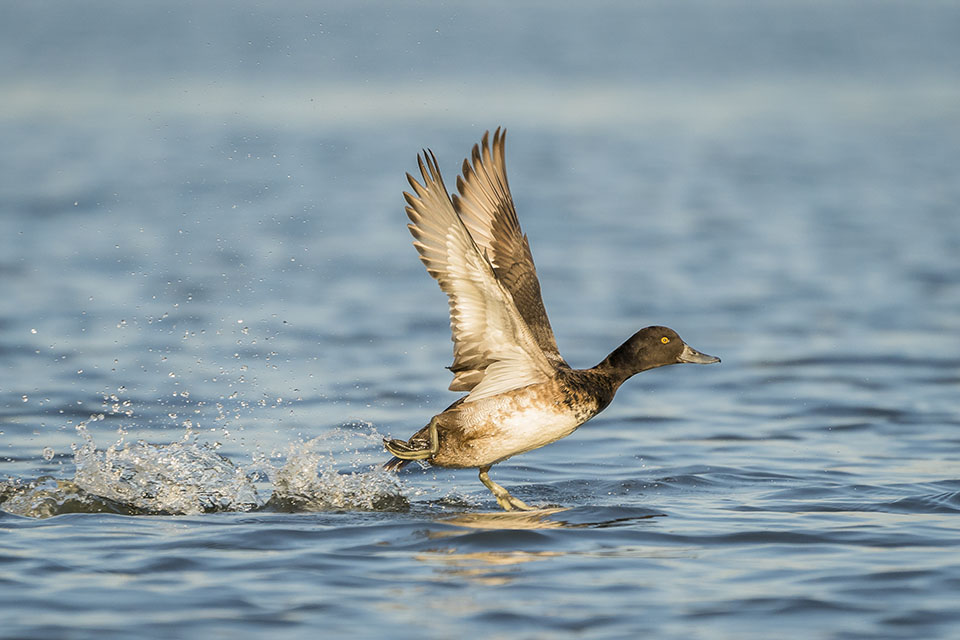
x=653, y=347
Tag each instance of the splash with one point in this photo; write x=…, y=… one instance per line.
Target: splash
x=189, y=477
x=313, y=480
x=47, y=496
x=178, y=478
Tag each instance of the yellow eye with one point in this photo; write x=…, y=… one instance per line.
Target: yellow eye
x=664, y=339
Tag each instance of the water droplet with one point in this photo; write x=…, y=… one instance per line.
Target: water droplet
x=47, y=453
x=33, y=330
x=24, y=397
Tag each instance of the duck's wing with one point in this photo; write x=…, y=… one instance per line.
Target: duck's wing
x=486, y=208
x=493, y=349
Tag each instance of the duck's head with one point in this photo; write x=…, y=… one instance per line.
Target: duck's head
x=654, y=347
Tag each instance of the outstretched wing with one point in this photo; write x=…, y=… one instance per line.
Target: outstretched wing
x=493, y=349
x=486, y=208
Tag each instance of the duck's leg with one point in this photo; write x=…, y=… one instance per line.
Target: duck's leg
x=404, y=451
x=506, y=501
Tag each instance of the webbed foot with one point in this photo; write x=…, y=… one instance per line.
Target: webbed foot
x=506, y=501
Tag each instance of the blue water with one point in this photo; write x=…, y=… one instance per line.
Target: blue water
x=211, y=314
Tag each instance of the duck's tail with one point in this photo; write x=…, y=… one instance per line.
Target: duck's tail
x=405, y=451
x=395, y=464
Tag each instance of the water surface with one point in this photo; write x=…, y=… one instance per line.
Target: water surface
x=212, y=314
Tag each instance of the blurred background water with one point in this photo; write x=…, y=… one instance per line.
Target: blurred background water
x=210, y=314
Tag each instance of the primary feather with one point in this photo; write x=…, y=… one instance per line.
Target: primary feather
x=494, y=349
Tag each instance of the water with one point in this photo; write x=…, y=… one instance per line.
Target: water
x=212, y=314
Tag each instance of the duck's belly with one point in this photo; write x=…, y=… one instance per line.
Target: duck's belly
x=506, y=429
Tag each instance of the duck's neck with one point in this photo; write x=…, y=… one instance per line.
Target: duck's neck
x=622, y=363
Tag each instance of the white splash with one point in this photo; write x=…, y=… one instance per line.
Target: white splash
x=177, y=478
x=336, y=471
x=313, y=477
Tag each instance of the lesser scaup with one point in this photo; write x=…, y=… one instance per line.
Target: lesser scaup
x=521, y=394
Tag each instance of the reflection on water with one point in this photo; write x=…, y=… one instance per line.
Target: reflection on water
x=581, y=517
x=482, y=567
x=539, y=519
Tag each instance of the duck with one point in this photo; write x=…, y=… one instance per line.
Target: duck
x=520, y=392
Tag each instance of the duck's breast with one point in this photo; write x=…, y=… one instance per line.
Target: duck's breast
x=494, y=429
